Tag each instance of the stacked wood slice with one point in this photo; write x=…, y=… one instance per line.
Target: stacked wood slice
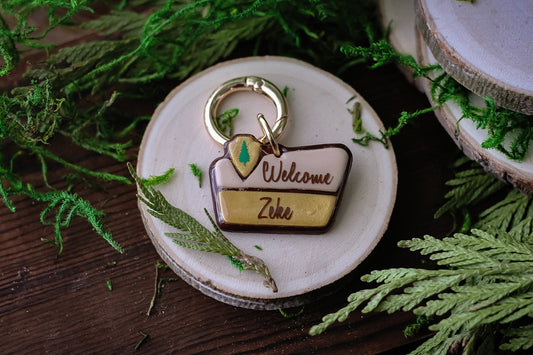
x=484, y=45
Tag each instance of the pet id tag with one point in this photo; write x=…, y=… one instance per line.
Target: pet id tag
x=260, y=185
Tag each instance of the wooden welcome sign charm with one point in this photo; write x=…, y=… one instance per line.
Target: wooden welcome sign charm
x=254, y=190
x=258, y=185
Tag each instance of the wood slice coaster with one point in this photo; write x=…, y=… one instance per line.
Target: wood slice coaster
x=304, y=266
x=486, y=46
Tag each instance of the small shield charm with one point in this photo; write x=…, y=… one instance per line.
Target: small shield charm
x=296, y=190
x=244, y=151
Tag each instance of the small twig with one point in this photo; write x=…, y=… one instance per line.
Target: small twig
x=143, y=340
x=156, y=289
x=157, y=284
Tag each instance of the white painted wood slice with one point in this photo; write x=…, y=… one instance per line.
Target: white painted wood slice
x=487, y=46
x=469, y=138
x=302, y=265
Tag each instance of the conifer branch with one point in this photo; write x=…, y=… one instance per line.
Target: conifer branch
x=518, y=338
x=194, y=235
x=484, y=283
x=490, y=283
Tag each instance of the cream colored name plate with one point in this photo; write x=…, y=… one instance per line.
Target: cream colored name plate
x=297, y=191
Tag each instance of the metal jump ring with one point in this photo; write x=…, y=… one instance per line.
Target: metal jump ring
x=253, y=83
x=269, y=134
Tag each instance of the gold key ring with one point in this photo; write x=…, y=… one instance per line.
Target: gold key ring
x=248, y=83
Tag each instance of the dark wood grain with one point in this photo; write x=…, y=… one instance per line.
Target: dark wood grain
x=62, y=304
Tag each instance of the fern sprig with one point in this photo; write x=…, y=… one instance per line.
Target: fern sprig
x=194, y=235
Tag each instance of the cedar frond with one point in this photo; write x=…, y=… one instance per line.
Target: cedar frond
x=518, y=338
x=469, y=187
x=194, y=235
x=508, y=213
x=488, y=282
x=129, y=22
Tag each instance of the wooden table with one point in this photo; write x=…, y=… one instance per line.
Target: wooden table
x=62, y=304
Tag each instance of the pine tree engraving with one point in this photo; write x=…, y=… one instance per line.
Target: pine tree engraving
x=244, y=157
